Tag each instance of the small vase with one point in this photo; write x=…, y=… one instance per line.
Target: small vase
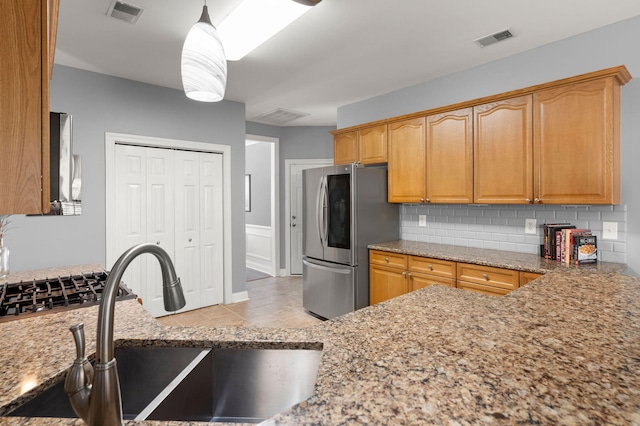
x=4, y=262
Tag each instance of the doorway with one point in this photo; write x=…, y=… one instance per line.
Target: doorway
x=261, y=206
x=293, y=210
x=180, y=194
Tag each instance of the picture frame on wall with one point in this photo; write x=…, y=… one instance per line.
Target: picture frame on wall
x=247, y=193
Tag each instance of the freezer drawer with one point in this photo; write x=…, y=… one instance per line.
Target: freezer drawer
x=328, y=289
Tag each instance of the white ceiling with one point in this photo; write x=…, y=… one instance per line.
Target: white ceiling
x=340, y=52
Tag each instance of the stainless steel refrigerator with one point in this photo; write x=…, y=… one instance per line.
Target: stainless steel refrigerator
x=345, y=209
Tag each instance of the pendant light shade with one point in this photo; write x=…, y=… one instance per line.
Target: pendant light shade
x=204, y=65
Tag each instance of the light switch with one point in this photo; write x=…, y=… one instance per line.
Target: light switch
x=609, y=230
x=422, y=220
x=530, y=226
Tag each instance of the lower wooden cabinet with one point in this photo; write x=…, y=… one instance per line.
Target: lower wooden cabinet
x=394, y=274
x=527, y=277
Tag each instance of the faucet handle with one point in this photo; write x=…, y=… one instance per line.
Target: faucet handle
x=78, y=336
x=77, y=385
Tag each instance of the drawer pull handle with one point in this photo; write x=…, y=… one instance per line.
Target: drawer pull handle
x=485, y=276
x=386, y=259
x=430, y=266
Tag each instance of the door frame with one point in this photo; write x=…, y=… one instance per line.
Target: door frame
x=111, y=139
x=288, y=164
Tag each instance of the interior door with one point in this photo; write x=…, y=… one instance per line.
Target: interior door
x=211, y=229
x=131, y=205
x=187, y=206
x=296, y=218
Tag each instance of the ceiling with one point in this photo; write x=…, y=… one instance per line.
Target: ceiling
x=340, y=52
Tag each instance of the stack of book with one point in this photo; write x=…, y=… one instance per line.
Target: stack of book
x=565, y=243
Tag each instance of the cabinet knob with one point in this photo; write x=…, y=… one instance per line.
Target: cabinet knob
x=430, y=267
x=404, y=274
x=409, y=275
x=386, y=259
x=528, y=200
x=536, y=200
x=485, y=276
x=422, y=200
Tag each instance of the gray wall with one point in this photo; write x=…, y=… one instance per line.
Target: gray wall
x=609, y=46
x=258, y=165
x=294, y=143
x=100, y=104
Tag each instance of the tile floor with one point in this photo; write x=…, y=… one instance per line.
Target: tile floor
x=273, y=302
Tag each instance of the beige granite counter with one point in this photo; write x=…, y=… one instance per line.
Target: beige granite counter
x=564, y=349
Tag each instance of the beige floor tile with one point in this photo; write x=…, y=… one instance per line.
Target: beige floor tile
x=273, y=302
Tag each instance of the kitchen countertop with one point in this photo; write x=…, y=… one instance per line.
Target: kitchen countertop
x=564, y=349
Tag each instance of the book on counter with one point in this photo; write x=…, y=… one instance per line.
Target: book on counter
x=569, y=236
x=586, y=249
x=550, y=238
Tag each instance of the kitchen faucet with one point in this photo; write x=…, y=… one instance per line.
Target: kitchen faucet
x=94, y=392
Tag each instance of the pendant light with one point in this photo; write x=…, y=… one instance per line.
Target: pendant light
x=204, y=65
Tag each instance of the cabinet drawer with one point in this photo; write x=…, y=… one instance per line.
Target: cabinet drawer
x=417, y=281
x=484, y=289
x=506, y=279
x=386, y=258
x=426, y=265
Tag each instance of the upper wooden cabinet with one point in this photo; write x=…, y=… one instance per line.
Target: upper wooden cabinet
x=503, y=152
x=577, y=143
x=345, y=148
x=372, y=145
x=365, y=146
x=27, y=42
x=407, y=164
x=450, y=157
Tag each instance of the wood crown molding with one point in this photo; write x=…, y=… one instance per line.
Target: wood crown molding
x=620, y=72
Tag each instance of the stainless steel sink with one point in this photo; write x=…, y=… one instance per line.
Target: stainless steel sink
x=143, y=372
x=196, y=384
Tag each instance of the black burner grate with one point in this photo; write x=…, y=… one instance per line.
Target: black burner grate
x=27, y=298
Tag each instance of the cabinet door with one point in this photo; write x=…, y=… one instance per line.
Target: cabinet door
x=576, y=143
x=418, y=280
x=527, y=277
x=24, y=102
x=372, y=145
x=450, y=157
x=406, y=169
x=345, y=148
x=386, y=283
x=503, y=152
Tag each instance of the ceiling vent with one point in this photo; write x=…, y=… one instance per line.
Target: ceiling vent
x=494, y=38
x=278, y=117
x=124, y=11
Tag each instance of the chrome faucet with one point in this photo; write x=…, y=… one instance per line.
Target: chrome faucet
x=94, y=392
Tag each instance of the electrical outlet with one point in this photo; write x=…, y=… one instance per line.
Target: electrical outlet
x=530, y=226
x=422, y=220
x=609, y=230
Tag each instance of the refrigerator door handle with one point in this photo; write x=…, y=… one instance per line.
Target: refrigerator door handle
x=319, y=211
x=345, y=271
x=325, y=212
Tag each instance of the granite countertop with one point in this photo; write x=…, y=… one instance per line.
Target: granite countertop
x=564, y=349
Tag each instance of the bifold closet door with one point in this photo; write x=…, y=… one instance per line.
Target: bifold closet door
x=144, y=205
x=199, y=227
x=171, y=198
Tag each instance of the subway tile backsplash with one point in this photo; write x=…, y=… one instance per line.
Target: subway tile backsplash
x=501, y=227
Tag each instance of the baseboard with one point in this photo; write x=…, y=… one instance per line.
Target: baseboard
x=239, y=297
